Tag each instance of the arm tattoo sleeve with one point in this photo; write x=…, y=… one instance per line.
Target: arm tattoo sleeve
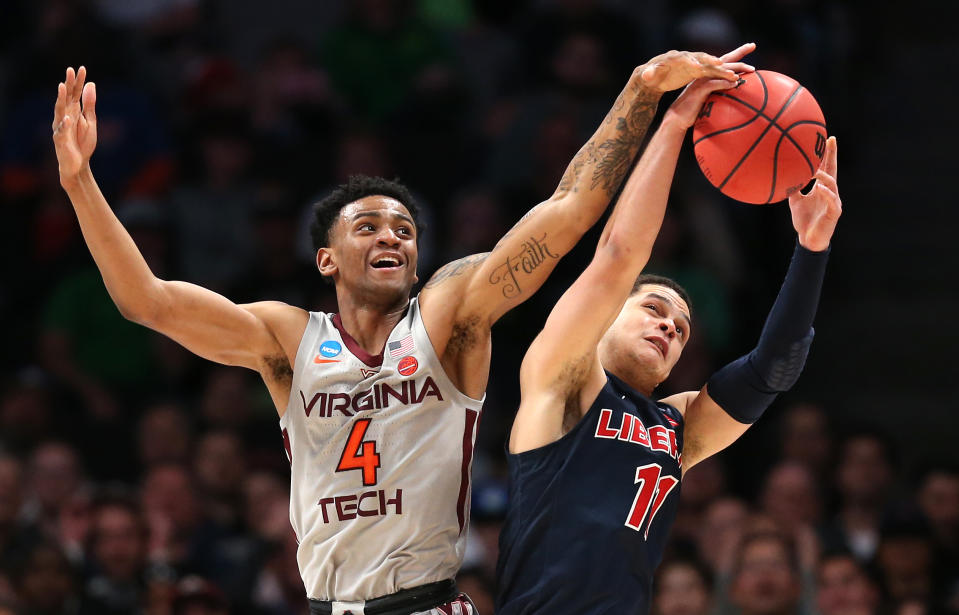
x=606, y=158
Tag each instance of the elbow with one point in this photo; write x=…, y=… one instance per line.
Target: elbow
x=625, y=252
x=577, y=216
x=134, y=313
x=142, y=309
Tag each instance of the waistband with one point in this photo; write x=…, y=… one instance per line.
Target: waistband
x=403, y=602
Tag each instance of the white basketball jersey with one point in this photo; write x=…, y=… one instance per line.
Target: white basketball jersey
x=380, y=457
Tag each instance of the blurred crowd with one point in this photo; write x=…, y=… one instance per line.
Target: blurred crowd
x=137, y=478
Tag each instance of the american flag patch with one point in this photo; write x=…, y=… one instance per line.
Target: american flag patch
x=402, y=347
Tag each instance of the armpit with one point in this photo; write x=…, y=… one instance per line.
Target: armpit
x=464, y=335
x=278, y=368
x=571, y=380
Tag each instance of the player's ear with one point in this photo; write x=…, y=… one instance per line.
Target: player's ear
x=325, y=262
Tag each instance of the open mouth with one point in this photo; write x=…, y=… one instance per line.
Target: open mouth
x=660, y=344
x=386, y=262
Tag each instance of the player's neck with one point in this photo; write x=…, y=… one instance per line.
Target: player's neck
x=370, y=325
x=635, y=378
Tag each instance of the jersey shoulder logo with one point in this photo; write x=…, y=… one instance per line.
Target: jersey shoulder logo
x=328, y=350
x=407, y=366
x=401, y=347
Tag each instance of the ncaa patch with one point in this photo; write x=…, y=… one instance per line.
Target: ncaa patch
x=407, y=366
x=330, y=348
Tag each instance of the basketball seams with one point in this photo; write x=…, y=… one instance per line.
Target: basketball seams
x=785, y=135
x=737, y=161
x=759, y=111
x=772, y=122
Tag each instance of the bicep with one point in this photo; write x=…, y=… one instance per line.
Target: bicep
x=708, y=428
x=211, y=326
x=578, y=321
x=518, y=264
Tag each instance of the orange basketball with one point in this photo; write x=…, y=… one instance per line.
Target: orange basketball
x=761, y=141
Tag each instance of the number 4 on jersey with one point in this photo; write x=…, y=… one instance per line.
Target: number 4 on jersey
x=360, y=455
x=653, y=490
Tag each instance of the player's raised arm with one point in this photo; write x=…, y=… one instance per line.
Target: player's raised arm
x=736, y=395
x=561, y=371
x=203, y=321
x=487, y=286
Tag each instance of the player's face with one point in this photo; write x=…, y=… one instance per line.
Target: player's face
x=652, y=329
x=372, y=250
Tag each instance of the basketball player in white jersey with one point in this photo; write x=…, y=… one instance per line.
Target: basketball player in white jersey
x=379, y=403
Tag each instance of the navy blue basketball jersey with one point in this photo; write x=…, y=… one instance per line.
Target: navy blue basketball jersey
x=589, y=514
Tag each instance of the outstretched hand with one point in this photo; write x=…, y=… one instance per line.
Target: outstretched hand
x=74, y=123
x=674, y=69
x=685, y=109
x=815, y=214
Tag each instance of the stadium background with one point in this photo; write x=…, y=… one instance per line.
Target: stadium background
x=221, y=121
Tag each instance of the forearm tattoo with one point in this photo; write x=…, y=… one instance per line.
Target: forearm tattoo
x=604, y=162
x=456, y=268
x=534, y=252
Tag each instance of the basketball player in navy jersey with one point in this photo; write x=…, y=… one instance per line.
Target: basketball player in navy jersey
x=595, y=463
x=379, y=403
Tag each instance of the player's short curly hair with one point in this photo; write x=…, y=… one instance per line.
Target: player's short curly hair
x=659, y=280
x=356, y=187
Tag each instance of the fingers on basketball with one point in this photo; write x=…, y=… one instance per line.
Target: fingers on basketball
x=830, y=162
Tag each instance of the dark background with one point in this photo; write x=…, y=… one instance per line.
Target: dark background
x=221, y=121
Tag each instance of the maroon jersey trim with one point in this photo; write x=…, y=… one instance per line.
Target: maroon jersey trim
x=373, y=360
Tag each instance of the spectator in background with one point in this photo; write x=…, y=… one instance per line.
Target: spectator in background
x=938, y=498
x=102, y=358
x=168, y=502
x=864, y=477
x=382, y=55
x=45, y=582
x=226, y=400
x=164, y=435
x=219, y=467
x=722, y=525
x=550, y=25
x=278, y=589
x=197, y=596
x=476, y=219
x=487, y=514
x=16, y=534
x=766, y=577
x=904, y=556
x=544, y=126
x=806, y=438
x=682, y=587
x=844, y=587
x=277, y=271
x=702, y=485
x=790, y=497
x=54, y=477
x=26, y=414
x=212, y=216
x=117, y=559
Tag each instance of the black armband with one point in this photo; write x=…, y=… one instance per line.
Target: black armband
x=746, y=387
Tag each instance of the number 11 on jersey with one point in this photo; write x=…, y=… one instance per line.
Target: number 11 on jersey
x=360, y=455
x=653, y=490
